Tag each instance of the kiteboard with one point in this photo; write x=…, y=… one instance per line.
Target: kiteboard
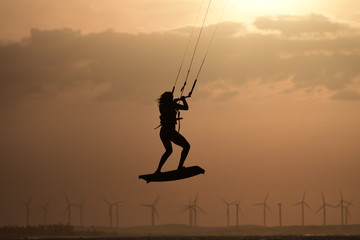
x=173, y=175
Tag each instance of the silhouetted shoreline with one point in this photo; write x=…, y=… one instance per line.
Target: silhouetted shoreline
x=179, y=232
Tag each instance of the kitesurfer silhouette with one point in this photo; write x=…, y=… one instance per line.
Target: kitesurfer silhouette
x=168, y=107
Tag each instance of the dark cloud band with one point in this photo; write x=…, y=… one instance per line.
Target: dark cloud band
x=110, y=66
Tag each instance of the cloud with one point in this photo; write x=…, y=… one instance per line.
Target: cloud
x=347, y=95
x=298, y=25
x=222, y=29
x=110, y=66
x=55, y=62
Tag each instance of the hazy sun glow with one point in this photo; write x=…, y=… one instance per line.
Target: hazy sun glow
x=253, y=8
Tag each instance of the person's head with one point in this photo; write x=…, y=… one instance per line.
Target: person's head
x=166, y=97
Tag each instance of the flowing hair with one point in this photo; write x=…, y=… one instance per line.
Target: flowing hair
x=166, y=97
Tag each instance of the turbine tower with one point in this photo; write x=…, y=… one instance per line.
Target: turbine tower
x=45, y=211
x=323, y=207
x=266, y=207
x=280, y=214
x=190, y=208
x=237, y=210
x=153, y=210
x=68, y=208
x=347, y=211
x=196, y=208
x=303, y=204
x=28, y=207
x=227, y=211
x=117, y=214
x=81, y=208
x=110, y=212
x=342, y=204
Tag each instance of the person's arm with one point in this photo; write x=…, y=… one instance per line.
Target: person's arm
x=183, y=106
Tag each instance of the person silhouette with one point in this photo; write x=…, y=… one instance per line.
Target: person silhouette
x=168, y=107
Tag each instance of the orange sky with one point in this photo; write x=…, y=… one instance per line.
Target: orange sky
x=276, y=108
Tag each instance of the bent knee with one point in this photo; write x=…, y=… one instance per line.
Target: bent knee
x=168, y=152
x=186, y=147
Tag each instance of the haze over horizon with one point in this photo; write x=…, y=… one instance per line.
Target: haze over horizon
x=276, y=108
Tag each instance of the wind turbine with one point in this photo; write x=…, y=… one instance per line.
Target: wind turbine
x=323, y=206
x=227, y=211
x=266, y=207
x=153, y=210
x=27, y=206
x=342, y=206
x=81, y=208
x=45, y=211
x=303, y=205
x=228, y=205
x=190, y=208
x=111, y=205
x=195, y=209
x=237, y=209
x=347, y=211
x=280, y=214
x=68, y=209
x=117, y=214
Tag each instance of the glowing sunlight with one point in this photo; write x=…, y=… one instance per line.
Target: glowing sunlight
x=266, y=7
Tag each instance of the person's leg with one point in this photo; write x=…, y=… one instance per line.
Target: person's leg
x=178, y=139
x=168, y=150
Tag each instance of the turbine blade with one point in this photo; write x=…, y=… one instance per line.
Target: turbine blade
x=105, y=200
x=156, y=201
x=319, y=209
x=196, y=198
x=267, y=195
x=323, y=197
x=186, y=208
x=267, y=208
x=329, y=205
x=348, y=212
x=67, y=199
x=224, y=201
x=48, y=203
x=341, y=195
x=307, y=205
x=199, y=208
x=156, y=212
x=303, y=199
